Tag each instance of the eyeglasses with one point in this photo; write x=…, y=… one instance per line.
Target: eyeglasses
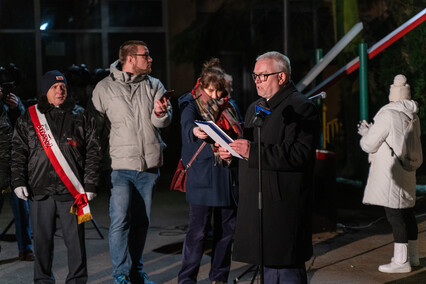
x=263, y=77
x=146, y=55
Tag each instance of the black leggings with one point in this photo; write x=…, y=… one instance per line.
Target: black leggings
x=404, y=225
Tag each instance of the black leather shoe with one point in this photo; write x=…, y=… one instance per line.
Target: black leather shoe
x=26, y=256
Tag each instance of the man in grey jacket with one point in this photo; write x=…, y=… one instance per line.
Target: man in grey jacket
x=131, y=103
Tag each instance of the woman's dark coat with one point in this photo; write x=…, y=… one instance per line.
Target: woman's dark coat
x=207, y=184
x=289, y=135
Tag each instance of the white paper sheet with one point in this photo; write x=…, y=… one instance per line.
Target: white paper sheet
x=217, y=134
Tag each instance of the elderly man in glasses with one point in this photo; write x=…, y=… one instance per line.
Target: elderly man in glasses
x=131, y=107
x=290, y=130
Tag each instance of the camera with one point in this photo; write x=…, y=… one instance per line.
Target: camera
x=7, y=88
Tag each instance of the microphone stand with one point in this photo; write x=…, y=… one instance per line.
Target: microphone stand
x=258, y=121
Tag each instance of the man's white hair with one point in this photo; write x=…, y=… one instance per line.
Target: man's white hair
x=281, y=60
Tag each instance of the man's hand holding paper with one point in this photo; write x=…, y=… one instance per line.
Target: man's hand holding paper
x=242, y=147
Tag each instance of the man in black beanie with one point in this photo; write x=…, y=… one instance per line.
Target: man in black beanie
x=55, y=164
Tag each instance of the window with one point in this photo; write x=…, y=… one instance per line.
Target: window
x=135, y=14
x=70, y=14
x=43, y=35
x=59, y=51
x=14, y=16
x=23, y=57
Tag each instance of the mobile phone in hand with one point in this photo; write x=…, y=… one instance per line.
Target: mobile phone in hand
x=167, y=95
x=7, y=88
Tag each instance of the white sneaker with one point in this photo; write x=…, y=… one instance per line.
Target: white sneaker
x=399, y=262
x=413, y=261
x=395, y=268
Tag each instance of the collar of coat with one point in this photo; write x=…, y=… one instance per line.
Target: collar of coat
x=409, y=107
x=44, y=106
x=282, y=94
x=116, y=73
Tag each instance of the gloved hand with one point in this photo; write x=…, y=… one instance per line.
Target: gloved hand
x=90, y=195
x=21, y=192
x=363, y=127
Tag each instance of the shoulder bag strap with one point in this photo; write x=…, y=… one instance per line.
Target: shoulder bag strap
x=393, y=153
x=195, y=155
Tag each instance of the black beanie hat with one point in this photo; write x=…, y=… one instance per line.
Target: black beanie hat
x=51, y=78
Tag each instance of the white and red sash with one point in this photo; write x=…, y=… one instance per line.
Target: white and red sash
x=60, y=164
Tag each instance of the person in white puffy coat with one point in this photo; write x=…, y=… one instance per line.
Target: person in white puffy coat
x=389, y=184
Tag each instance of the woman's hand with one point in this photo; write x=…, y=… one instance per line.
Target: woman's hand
x=223, y=153
x=199, y=133
x=363, y=127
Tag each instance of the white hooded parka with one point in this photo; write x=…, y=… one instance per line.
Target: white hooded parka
x=388, y=184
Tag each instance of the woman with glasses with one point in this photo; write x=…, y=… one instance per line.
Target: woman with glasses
x=211, y=185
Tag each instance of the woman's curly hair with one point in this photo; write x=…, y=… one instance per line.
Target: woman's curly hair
x=213, y=73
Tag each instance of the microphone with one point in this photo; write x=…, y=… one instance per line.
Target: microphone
x=323, y=95
x=261, y=110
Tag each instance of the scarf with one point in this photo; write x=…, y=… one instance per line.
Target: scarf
x=220, y=111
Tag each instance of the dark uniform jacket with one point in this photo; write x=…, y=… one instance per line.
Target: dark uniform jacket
x=5, y=146
x=75, y=133
x=7, y=119
x=289, y=137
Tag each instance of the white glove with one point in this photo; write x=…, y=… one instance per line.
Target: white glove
x=21, y=192
x=90, y=195
x=363, y=127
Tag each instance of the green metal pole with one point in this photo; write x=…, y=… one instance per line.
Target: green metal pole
x=363, y=86
x=318, y=56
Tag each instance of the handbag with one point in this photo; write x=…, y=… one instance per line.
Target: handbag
x=179, y=178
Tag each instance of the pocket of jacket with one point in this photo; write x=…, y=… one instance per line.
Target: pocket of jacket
x=200, y=174
x=270, y=182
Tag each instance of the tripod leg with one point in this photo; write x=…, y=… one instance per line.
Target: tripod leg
x=255, y=274
x=251, y=268
x=7, y=228
x=97, y=228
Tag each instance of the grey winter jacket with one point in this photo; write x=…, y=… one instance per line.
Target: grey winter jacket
x=127, y=102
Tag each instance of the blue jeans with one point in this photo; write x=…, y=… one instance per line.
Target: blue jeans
x=21, y=215
x=129, y=211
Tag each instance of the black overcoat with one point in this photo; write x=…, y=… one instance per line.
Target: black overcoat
x=289, y=137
